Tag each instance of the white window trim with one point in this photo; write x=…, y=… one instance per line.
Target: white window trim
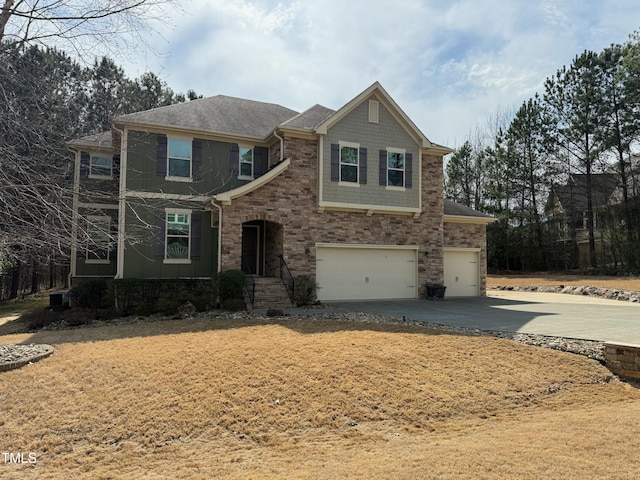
x=357, y=165
x=176, y=261
x=253, y=163
x=173, y=178
x=404, y=169
x=96, y=219
x=100, y=177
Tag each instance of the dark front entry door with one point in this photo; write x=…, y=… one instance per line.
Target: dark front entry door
x=251, y=249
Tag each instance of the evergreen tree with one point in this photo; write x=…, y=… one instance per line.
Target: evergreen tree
x=575, y=105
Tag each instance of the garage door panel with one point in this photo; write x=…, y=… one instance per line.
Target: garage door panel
x=461, y=273
x=365, y=273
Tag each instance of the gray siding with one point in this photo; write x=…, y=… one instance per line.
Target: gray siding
x=356, y=128
x=95, y=269
x=141, y=168
x=139, y=261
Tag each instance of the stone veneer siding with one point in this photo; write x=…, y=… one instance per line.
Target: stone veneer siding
x=469, y=235
x=623, y=359
x=291, y=200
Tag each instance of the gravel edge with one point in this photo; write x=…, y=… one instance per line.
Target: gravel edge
x=17, y=356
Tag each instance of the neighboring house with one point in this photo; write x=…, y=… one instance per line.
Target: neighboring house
x=352, y=198
x=566, y=210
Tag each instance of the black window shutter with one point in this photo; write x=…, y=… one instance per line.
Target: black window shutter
x=260, y=161
x=113, y=242
x=161, y=156
x=196, y=235
x=335, y=162
x=408, y=170
x=234, y=159
x=158, y=245
x=383, y=168
x=85, y=164
x=363, y=166
x=115, y=169
x=196, y=159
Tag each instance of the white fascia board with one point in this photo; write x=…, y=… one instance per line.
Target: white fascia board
x=225, y=198
x=368, y=209
x=468, y=219
x=191, y=132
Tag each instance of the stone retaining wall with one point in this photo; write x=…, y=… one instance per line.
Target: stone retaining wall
x=608, y=293
x=623, y=359
x=146, y=296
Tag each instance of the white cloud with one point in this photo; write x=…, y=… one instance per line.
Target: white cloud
x=448, y=64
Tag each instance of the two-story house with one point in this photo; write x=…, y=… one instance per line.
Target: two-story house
x=566, y=210
x=352, y=198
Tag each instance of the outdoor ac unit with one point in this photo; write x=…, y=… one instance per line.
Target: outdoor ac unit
x=59, y=299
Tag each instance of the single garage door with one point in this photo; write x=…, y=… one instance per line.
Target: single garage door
x=461, y=273
x=363, y=273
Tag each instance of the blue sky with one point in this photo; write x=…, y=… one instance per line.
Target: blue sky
x=450, y=65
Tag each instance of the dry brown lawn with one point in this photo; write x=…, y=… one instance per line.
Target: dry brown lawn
x=552, y=279
x=254, y=398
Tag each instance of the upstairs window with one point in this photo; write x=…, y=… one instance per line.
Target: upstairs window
x=395, y=168
x=100, y=167
x=349, y=162
x=179, y=159
x=246, y=163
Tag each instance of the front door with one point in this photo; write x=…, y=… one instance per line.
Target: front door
x=251, y=249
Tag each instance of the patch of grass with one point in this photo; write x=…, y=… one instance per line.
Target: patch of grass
x=29, y=302
x=298, y=398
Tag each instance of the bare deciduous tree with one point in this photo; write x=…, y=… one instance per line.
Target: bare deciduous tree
x=78, y=25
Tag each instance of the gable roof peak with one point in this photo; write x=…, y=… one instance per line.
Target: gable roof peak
x=395, y=110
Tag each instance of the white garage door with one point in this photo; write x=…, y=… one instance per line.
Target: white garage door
x=362, y=273
x=461, y=273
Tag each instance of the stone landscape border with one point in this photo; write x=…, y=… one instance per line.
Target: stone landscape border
x=42, y=351
x=599, y=292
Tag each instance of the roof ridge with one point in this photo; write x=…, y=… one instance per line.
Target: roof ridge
x=305, y=111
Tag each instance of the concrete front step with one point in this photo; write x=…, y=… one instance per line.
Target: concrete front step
x=269, y=293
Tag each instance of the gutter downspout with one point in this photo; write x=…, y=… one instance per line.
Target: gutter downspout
x=281, y=144
x=213, y=202
x=121, y=201
x=74, y=225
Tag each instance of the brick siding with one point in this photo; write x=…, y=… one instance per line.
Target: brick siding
x=291, y=200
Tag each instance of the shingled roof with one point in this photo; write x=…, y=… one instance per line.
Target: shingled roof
x=309, y=119
x=455, y=209
x=573, y=195
x=102, y=140
x=216, y=115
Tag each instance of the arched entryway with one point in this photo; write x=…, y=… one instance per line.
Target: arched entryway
x=261, y=247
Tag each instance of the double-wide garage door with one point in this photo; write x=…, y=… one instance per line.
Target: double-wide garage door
x=366, y=272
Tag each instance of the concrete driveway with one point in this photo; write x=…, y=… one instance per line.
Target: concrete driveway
x=553, y=314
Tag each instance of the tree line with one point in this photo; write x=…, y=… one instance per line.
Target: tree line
x=46, y=99
x=561, y=173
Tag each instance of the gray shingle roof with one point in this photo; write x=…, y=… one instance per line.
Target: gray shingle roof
x=98, y=140
x=219, y=114
x=453, y=208
x=309, y=119
x=573, y=195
